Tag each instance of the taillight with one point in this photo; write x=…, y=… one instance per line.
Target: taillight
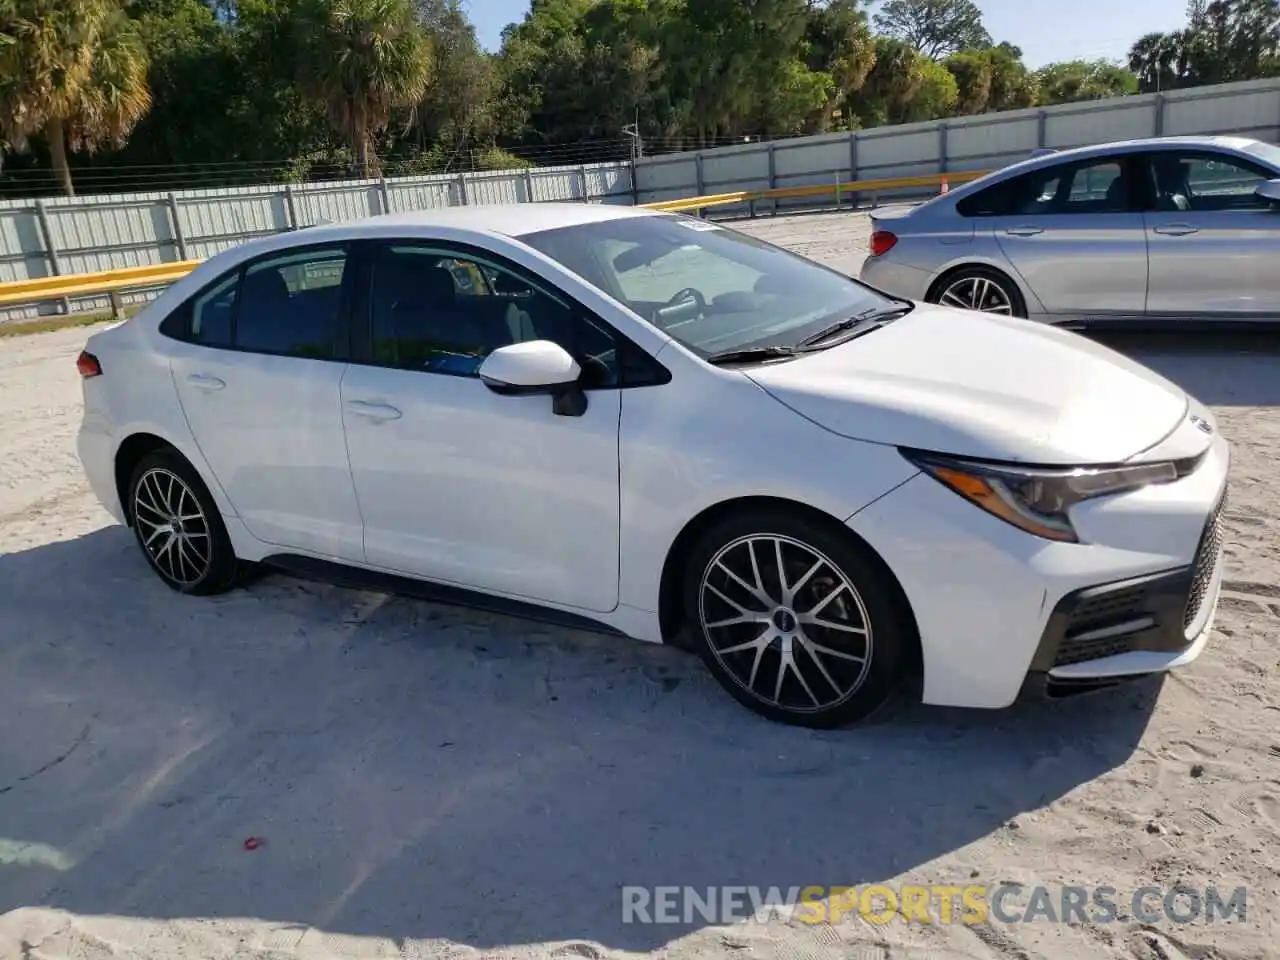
x=88, y=365
x=882, y=241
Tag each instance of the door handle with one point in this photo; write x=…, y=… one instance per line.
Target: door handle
x=1024, y=231
x=376, y=412
x=1175, y=229
x=203, y=381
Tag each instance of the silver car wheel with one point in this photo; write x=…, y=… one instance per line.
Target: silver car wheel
x=977, y=293
x=785, y=623
x=172, y=527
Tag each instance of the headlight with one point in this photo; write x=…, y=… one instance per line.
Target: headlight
x=1037, y=499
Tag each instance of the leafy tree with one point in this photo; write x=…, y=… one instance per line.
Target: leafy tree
x=936, y=28
x=72, y=70
x=1224, y=40
x=461, y=92
x=1076, y=80
x=973, y=72
x=363, y=60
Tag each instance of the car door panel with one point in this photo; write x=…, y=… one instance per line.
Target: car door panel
x=257, y=367
x=1213, y=247
x=490, y=492
x=1087, y=264
x=272, y=433
x=1070, y=234
x=459, y=484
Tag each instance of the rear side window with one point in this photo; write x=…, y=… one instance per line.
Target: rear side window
x=289, y=305
x=1091, y=186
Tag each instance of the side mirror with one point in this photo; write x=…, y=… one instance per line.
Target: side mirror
x=536, y=367
x=1269, y=190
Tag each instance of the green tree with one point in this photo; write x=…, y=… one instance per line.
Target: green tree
x=936, y=28
x=973, y=72
x=72, y=70
x=363, y=60
x=1076, y=80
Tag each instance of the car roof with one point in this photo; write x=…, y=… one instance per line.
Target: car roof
x=507, y=219
x=1050, y=159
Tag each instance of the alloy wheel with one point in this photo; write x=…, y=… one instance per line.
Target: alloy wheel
x=977, y=293
x=172, y=526
x=785, y=623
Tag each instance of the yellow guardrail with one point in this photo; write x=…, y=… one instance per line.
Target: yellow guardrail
x=837, y=188
x=102, y=281
x=127, y=278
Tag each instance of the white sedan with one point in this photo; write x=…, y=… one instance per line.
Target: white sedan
x=653, y=425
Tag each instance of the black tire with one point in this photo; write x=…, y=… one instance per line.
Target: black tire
x=868, y=594
x=1006, y=287
x=165, y=480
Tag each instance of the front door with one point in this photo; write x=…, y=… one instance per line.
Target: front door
x=258, y=376
x=456, y=483
x=1214, y=243
x=1076, y=238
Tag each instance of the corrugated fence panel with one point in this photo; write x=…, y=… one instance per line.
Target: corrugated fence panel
x=730, y=169
x=494, y=188
x=1120, y=119
x=816, y=161
x=609, y=182
x=981, y=143
x=668, y=177
x=99, y=237
x=419, y=193
x=904, y=152
x=239, y=216
x=1251, y=113
x=336, y=204
x=558, y=183
x=24, y=256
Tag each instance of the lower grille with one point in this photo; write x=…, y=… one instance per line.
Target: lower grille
x=1205, y=563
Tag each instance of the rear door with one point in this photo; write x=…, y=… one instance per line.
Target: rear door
x=258, y=368
x=1214, y=244
x=1074, y=233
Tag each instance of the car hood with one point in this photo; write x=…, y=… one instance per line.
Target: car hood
x=978, y=385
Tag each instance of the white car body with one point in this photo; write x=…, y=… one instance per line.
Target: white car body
x=438, y=479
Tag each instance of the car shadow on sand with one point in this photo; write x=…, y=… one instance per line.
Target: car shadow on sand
x=419, y=771
x=1224, y=369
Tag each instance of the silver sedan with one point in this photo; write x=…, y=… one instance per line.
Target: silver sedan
x=1176, y=228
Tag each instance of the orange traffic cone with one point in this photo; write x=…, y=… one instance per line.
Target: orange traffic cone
x=945, y=187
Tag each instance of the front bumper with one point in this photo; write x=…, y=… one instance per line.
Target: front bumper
x=1100, y=636
x=1001, y=613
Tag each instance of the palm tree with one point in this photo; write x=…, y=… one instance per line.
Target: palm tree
x=362, y=59
x=72, y=70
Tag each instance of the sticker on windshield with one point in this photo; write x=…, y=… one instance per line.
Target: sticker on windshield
x=700, y=225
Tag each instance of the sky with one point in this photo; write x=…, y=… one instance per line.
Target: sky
x=1046, y=30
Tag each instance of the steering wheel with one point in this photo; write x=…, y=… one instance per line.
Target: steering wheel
x=684, y=305
x=688, y=293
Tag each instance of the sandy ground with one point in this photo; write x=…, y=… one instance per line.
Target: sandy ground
x=434, y=782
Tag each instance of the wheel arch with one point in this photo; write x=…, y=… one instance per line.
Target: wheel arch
x=128, y=455
x=670, y=606
x=948, y=274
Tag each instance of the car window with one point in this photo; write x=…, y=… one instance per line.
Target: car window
x=211, y=313
x=438, y=312
x=1091, y=186
x=1205, y=182
x=291, y=304
x=712, y=288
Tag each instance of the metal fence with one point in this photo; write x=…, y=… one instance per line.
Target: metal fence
x=79, y=235
x=984, y=142
x=74, y=235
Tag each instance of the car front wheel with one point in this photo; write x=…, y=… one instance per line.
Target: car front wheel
x=795, y=618
x=178, y=526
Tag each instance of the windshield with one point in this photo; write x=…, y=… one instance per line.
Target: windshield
x=1265, y=152
x=711, y=288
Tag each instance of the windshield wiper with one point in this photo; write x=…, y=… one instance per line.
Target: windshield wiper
x=870, y=318
x=752, y=354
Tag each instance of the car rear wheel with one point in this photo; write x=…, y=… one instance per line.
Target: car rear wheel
x=979, y=288
x=178, y=526
x=795, y=619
